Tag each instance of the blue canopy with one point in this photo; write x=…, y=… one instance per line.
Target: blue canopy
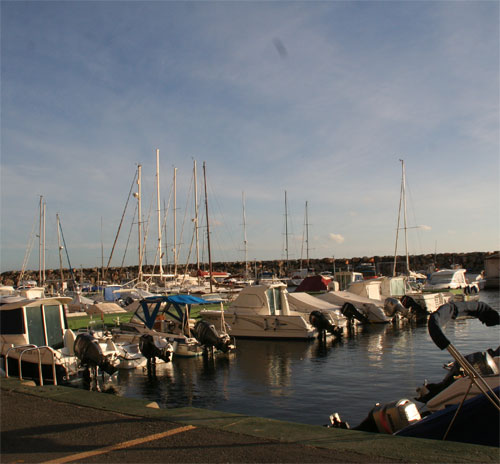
x=149, y=307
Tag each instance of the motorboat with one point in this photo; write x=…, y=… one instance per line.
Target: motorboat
x=168, y=318
x=36, y=342
x=464, y=406
x=373, y=311
x=263, y=311
x=127, y=352
x=449, y=280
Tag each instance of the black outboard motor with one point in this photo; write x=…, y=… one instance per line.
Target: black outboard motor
x=208, y=336
x=393, y=306
x=151, y=350
x=351, y=313
x=417, y=312
x=387, y=418
x=88, y=351
x=319, y=321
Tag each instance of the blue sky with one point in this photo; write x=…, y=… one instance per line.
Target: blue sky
x=320, y=99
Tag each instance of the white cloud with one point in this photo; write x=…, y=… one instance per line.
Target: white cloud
x=337, y=238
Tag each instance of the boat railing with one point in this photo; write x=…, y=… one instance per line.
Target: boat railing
x=14, y=348
x=21, y=349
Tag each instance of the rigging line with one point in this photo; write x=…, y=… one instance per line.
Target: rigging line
x=230, y=233
x=28, y=250
x=146, y=230
x=188, y=201
x=121, y=221
x=66, y=249
x=166, y=209
x=130, y=232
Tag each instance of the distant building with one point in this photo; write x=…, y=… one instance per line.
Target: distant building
x=492, y=271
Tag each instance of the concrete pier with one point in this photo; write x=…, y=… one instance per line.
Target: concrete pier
x=61, y=424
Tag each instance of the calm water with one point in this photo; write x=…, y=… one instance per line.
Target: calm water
x=304, y=381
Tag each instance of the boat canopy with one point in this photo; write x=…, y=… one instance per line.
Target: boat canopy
x=176, y=306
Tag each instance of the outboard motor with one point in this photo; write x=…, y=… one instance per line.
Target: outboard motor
x=351, y=313
x=88, y=351
x=152, y=348
x=417, y=312
x=388, y=418
x=319, y=321
x=208, y=336
x=392, y=306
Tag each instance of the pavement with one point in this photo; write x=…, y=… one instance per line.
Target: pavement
x=59, y=424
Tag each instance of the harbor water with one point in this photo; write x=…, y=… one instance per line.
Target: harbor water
x=305, y=382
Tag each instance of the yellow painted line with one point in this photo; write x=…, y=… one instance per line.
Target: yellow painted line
x=125, y=444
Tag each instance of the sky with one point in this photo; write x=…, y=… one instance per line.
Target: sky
x=318, y=99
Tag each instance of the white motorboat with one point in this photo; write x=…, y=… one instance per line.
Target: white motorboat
x=462, y=379
x=464, y=407
x=446, y=280
x=263, y=311
x=126, y=352
x=36, y=341
x=168, y=318
x=372, y=310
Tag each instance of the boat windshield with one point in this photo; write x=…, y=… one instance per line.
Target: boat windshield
x=441, y=278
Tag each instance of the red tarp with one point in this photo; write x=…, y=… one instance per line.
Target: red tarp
x=316, y=283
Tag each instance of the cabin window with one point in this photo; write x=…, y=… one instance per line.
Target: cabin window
x=34, y=318
x=54, y=326
x=270, y=297
x=277, y=299
x=11, y=322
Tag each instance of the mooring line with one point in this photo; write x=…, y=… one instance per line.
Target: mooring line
x=125, y=444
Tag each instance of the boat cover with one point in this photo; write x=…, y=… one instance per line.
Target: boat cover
x=304, y=302
x=477, y=423
x=315, y=283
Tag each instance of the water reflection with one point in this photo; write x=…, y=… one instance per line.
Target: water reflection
x=305, y=381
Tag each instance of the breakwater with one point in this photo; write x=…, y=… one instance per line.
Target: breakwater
x=472, y=261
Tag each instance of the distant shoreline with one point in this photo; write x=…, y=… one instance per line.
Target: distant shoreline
x=472, y=261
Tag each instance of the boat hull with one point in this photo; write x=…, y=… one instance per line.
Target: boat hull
x=259, y=326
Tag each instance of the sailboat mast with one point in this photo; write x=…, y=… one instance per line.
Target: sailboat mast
x=286, y=231
x=307, y=239
x=139, y=219
x=43, y=242
x=40, y=241
x=404, y=216
x=175, y=221
x=208, y=227
x=245, y=243
x=60, y=249
x=195, y=180
x=159, y=208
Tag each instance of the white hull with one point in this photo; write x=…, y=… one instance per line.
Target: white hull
x=372, y=309
x=262, y=326
x=456, y=391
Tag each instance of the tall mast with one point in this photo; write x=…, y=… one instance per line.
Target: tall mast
x=406, y=228
x=43, y=242
x=402, y=202
x=175, y=221
x=60, y=250
x=208, y=227
x=139, y=219
x=159, y=208
x=307, y=239
x=286, y=231
x=40, y=241
x=195, y=180
x=245, y=243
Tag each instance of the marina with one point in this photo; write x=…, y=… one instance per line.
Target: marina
x=306, y=381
